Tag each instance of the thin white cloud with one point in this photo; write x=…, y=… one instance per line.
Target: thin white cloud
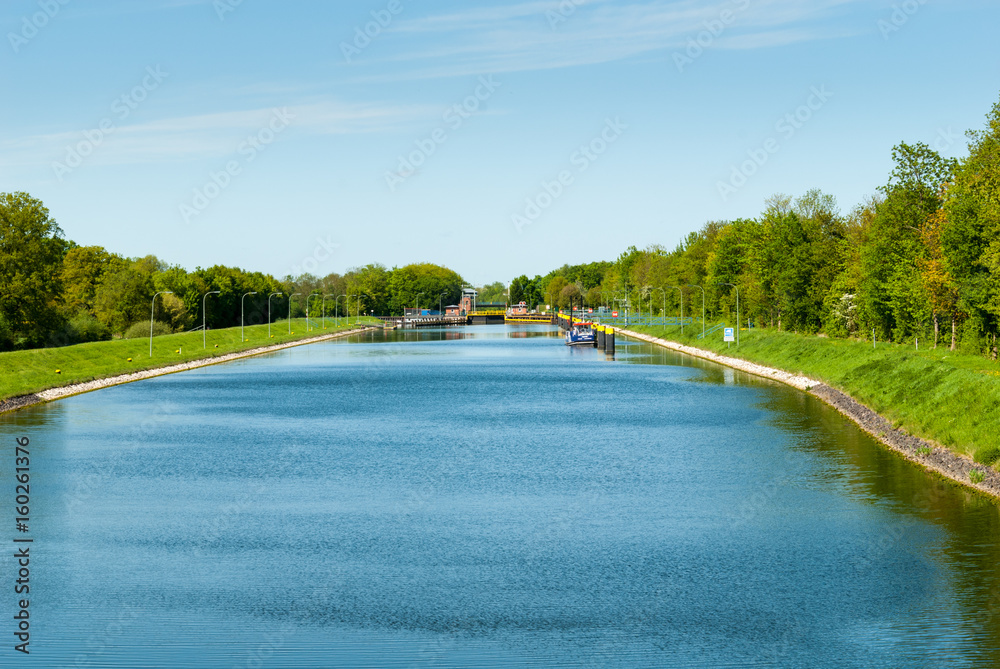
x=205, y=135
x=534, y=35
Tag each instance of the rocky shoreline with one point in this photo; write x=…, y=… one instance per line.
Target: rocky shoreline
x=931, y=455
x=15, y=403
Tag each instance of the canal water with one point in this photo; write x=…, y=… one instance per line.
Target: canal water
x=486, y=497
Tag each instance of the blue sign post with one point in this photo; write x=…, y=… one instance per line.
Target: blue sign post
x=730, y=334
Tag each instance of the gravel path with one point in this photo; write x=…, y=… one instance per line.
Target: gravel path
x=927, y=453
x=15, y=403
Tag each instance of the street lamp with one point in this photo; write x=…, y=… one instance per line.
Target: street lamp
x=336, y=308
x=269, y=312
x=691, y=285
x=152, y=308
x=663, y=314
x=682, y=306
x=639, y=291
x=418, y=303
x=204, y=339
x=311, y=295
x=324, y=310
x=359, y=296
x=737, y=311
x=622, y=301
x=440, y=310
x=242, y=308
x=290, y=311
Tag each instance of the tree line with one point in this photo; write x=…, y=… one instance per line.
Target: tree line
x=918, y=260
x=54, y=292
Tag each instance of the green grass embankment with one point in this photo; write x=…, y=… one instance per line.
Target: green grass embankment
x=26, y=372
x=939, y=395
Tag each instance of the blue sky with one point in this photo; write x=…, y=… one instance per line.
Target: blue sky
x=497, y=138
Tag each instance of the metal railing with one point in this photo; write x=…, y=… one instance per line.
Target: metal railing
x=713, y=330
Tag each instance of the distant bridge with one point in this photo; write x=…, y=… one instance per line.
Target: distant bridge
x=478, y=317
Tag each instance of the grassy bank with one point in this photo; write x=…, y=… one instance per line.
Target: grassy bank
x=25, y=372
x=934, y=394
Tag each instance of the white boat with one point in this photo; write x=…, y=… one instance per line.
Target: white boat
x=580, y=336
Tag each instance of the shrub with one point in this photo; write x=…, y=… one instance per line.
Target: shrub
x=141, y=329
x=85, y=328
x=988, y=455
x=976, y=476
x=6, y=335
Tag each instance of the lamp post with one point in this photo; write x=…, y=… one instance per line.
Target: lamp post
x=290, y=311
x=360, y=295
x=336, y=308
x=269, y=312
x=663, y=313
x=440, y=310
x=624, y=300
x=311, y=295
x=691, y=285
x=204, y=338
x=682, y=305
x=639, y=291
x=418, y=302
x=152, y=309
x=242, y=311
x=324, y=310
x=737, y=310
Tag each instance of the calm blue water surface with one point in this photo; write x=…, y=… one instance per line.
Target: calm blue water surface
x=487, y=497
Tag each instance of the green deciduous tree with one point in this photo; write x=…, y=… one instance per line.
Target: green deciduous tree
x=31, y=251
x=83, y=267
x=371, y=283
x=124, y=296
x=426, y=280
x=970, y=234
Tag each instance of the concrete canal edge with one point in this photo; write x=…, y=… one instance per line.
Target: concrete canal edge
x=53, y=394
x=931, y=455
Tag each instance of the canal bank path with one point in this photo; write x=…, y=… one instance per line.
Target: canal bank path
x=929, y=454
x=53, y=394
